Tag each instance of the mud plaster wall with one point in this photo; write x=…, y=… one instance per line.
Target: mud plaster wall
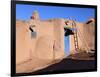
x=45, y=48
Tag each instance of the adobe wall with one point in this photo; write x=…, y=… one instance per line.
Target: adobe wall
x=89, y=34
x=46, y=47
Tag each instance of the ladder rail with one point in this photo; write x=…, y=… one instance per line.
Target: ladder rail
x=75, y=37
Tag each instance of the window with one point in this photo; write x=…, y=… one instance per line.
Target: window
x=33, y=32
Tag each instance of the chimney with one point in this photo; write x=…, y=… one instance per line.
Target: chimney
x=35, y=15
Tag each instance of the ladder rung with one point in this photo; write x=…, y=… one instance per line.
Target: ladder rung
x=76, y=45
x=75, y=38
x=75, y=41
x=75, y=35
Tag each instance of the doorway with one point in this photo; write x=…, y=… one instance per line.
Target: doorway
x=67, y=45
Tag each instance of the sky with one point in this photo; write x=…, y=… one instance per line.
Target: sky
x=24, y=11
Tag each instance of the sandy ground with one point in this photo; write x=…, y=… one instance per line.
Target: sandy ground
x=34, y=65
x=75, y=62
x=66, y=65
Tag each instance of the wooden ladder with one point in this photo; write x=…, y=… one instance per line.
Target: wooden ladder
x=75, y=36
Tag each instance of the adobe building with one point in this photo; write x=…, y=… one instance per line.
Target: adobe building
x=40, y=43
